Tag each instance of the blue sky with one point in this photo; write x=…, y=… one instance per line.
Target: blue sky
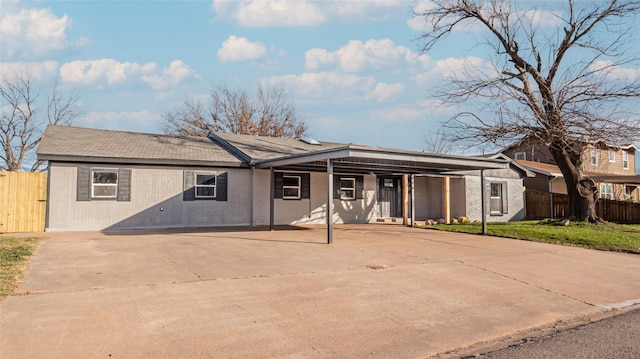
x=352, y=68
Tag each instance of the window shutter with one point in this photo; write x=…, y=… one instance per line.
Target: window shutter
x=221, y=186
x=305, y=186
x=505, y=197
x=189, y=190
x=83, y=186
x=359, y=187
x=336, y=187
x=277, y=183
x=124, y=185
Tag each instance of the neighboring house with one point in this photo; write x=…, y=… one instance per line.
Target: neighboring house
x=102, y=179
x=613, y=168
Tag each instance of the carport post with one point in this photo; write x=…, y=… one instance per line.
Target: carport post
x=482, y=203
x=413, y=200
x=329, y=201
x=272, y=190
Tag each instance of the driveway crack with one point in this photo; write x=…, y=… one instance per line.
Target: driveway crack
x=527, y=283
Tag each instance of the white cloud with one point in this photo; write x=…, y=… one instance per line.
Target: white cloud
x=305, y=13
x=94, y=71
x=383, y=92
x=143, y=121
x=325, y=84
x=610, y=70
x=38, y=70
x=455, y=68
x=177, y=72
x=397, y=114
x=236, y=49
x=33, y=33
x=357, y=56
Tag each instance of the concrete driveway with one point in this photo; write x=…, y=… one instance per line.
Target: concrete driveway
x=379, y=291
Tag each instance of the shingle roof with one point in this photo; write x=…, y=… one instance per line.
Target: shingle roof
x=553, y=170
x=262, y=147
x=539, y=167
x=85, y=144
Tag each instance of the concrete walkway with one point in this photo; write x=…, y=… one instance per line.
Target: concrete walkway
x=380, y=291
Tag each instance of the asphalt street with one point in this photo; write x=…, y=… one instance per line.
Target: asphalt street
x=615, y=337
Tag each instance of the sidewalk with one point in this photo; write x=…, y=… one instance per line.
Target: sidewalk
x=379, y=291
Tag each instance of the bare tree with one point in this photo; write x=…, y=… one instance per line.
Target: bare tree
x=270, y=113
x=22, y=121
x=557, y=84
x=438, y=142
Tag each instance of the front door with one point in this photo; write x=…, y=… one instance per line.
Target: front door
x=388, y=198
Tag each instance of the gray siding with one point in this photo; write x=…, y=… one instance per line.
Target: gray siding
x=156, y=201
x=515, y=197
x=312, y=210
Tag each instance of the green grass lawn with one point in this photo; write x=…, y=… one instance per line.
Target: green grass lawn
x=602, y=236
x=14, y=261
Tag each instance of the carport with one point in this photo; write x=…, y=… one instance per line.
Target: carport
x=379, y=161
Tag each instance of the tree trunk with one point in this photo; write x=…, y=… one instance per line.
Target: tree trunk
x=582, y=191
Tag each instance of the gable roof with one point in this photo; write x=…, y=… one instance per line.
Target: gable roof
x=66, y=143
x=526, y=171
x=540, y=167
x=554, y=171
x=74, y=144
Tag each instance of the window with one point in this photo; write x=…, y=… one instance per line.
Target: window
x=520, y=156
x=290, y=187
x=625, y=160
x=606, y=191
x=594, y=156
x=347, y=188
x=350, y=187
x=104, y=183
x=612, y=155
x=205, y=185
x=628, y=192
x=496, y=198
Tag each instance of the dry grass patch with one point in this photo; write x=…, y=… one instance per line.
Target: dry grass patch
x=14, y=261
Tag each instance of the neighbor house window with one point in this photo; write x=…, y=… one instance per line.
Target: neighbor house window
x=497, y=200
x=104, y=183
x=594, y=156
x=606, y=190
x=628, y=192
x=625, y=160
x=347, y=188
x=612, y=155
x=290, y=187
x=205, y=185
x=520, y=156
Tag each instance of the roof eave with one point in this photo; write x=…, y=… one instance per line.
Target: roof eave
x=139, y=161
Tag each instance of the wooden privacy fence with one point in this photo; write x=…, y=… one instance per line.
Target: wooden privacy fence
x=23, y=203
x=540, y=205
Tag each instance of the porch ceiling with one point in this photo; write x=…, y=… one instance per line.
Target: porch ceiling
x=361, y=159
